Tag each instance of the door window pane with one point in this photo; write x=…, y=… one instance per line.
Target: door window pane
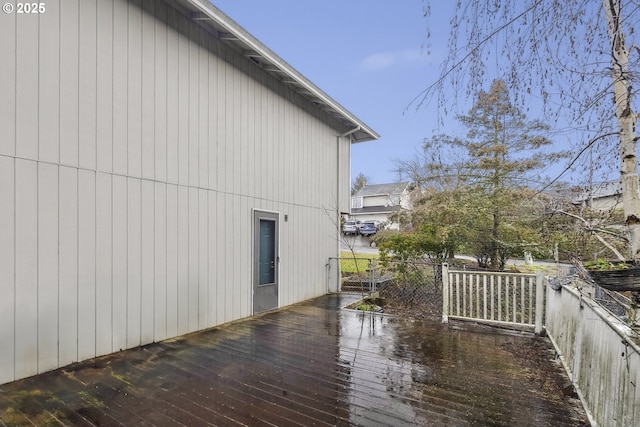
x=267, y=256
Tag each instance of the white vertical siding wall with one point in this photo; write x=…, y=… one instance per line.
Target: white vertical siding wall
x=134, y=148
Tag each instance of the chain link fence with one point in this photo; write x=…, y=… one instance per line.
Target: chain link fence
x=414, y=288
x=618, y=304
x=410, y=288
x=615, y=303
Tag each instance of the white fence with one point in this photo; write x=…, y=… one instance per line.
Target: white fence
x=600, y=353
x=510, y=299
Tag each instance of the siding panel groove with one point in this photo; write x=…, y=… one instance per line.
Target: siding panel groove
x=27, y=87
x=120, y=84
x=160, y=261
x=105, y=86
x=172, y=260
x=8, y=70
x=87, y=84
x=26, y=268
x=134, y=262
x=69, y=83
x=183, y=103
x=147, y=119
x=68, y=265
x=7, y=268
x=47, y=266
x=86, y=264
x=193, y=236
x=148, y=242
x=203, y=259
x=160, y=91
x=120, y=262
x=104, y=264
x=49, y=87
x=134, y=90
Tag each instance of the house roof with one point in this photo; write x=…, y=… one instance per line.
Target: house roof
x=230, y=32
x=600, y=190
x=382, y=189
x=376, y=210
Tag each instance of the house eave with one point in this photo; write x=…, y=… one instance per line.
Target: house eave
x=225, y=29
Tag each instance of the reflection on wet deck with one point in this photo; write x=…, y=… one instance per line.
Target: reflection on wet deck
x=310, y=364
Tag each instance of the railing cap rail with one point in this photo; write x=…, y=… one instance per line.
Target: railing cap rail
x=498, y=273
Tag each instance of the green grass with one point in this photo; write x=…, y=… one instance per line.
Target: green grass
x=348, y=264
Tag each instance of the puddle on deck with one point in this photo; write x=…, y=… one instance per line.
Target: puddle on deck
x=310, y=364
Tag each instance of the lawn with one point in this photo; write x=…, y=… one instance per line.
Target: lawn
x=348, y=263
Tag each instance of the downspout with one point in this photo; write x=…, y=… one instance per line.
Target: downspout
x=356, y=129
x=338, y=231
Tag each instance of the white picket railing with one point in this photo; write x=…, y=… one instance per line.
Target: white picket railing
x=513, y=299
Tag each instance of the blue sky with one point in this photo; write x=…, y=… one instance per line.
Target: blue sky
x=369, y=55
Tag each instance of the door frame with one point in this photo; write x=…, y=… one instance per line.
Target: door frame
x=269, y=293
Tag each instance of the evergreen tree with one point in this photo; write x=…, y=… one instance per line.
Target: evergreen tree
x=359, y=182
x=501, y=153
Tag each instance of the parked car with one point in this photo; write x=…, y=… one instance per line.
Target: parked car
x=379, y=224
x=368, y=228
x=351, y=227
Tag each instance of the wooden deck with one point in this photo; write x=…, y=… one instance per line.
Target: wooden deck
x=310, y=364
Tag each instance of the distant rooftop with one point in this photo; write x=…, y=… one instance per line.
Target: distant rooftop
x=600, y=190
x=375, y=210
x=382, y=189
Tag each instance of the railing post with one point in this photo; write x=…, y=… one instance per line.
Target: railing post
x=338, y=275
x=372, y=268
x=445, y=292
x=539, y=303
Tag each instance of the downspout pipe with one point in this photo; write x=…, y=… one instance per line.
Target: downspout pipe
x=352, y=131
x=356, y=129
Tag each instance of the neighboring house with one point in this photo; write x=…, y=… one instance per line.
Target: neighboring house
x=603, y=196
x=159, y=172
x=380, y=201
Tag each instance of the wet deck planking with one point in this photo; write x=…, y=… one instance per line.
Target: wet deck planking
x=312, y=364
